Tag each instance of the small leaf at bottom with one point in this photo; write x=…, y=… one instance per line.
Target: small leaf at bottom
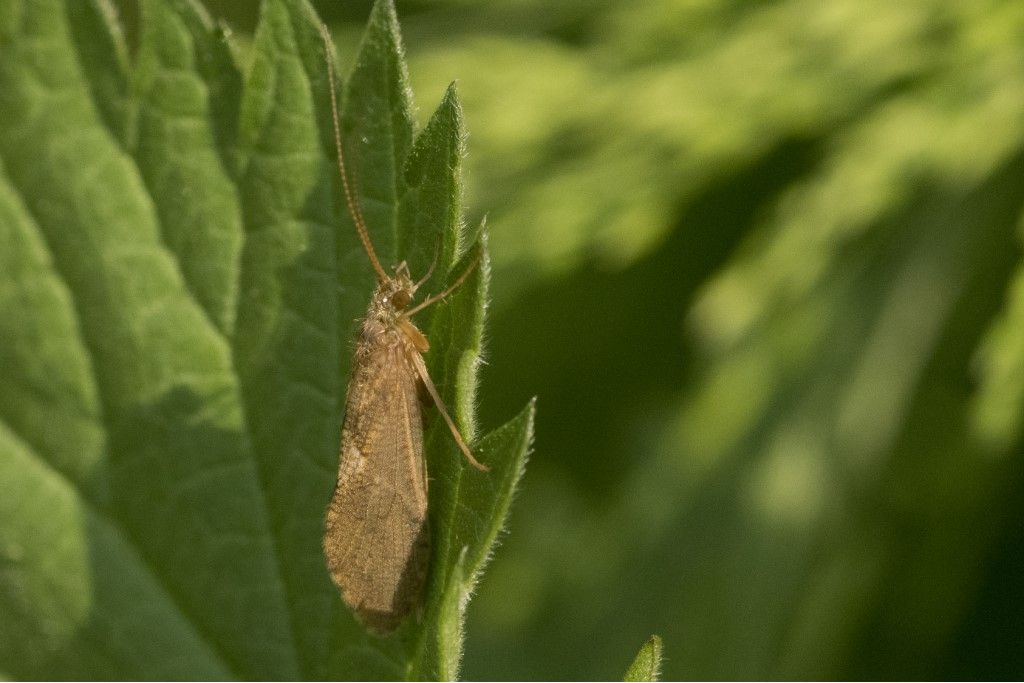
x=647, y=664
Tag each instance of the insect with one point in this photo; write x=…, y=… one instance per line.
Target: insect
x=376, y=538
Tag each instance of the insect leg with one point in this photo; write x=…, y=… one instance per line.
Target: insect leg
x=437, y=297
x=421, y=370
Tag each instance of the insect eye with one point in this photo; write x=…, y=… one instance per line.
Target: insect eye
x=401, y=299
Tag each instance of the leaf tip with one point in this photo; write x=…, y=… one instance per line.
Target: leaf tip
x=385, y=15
x=530, y=415
x=451, y=93
x=451, y=109
x=647, y=664
x=381, y=53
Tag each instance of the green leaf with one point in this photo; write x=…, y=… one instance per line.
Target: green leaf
x=377, y=130
x=183, y=69
x=76, y=597
x=101, y=48
x=430, y=212
x=466, y=518
x=178, y=285
x=647, y=665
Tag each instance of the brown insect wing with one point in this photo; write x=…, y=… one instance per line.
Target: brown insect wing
x=377, y=538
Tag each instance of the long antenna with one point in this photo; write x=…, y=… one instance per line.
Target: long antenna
x=350, y=198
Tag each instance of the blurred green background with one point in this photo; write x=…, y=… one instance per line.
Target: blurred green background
x=761, y=263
